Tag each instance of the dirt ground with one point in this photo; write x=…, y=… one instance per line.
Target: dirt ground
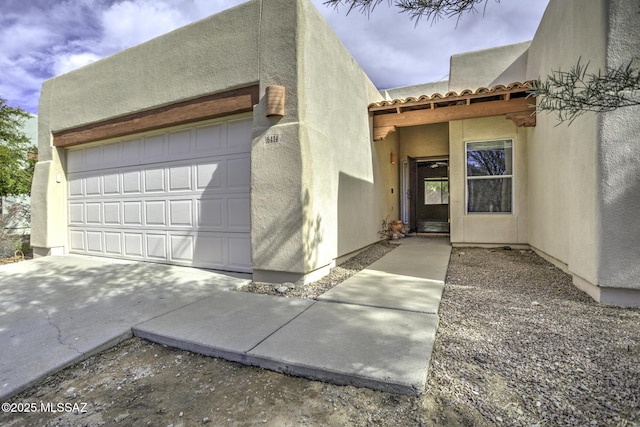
x=517, y=345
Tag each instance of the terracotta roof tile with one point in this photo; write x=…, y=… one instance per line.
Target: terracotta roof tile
x=451, y=95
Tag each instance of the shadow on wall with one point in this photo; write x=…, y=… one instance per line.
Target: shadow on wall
x=282, y=232
x=357, y=221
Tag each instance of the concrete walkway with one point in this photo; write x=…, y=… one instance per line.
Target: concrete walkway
x=57, y=311
x=375, y=329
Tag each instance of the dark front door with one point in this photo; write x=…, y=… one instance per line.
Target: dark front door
x=429, y=196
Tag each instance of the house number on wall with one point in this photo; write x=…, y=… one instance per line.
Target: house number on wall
x=273, y=138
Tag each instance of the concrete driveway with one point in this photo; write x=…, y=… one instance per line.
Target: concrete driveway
x=56, y=311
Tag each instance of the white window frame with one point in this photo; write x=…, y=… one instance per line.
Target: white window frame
x=510, y=176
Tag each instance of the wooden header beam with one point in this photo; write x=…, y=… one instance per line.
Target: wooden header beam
x=513, y=108
x=203, y=108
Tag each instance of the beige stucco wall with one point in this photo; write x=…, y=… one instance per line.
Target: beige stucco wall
x=277, y=199
x=347, y=176
x=564, y=176
x=424, y=141
x=489, y=67
x=139, y=78
x=441, y=87
x=319, y=194
x=619, y=160
x=478, y=228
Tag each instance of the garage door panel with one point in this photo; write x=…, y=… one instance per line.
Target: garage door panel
x=111, y=184
x=92, y=186
x=154, y=181
x=93, y=213
x=239, y=253
x=211, y=214
x=210, y=251
x=180, y=178
x=131, y=153
x=132, y=213
x=76, y=213
x=181, y=248
x=93, y=158
x=237, y=172
x=75, y=187
x=156, y=246
x=210, y=139
x=131, y=182
x=154, y=148
x=133, y=245
x=155, y=212
x=239, y=135
x=94, y=242
x=180, y=144
x=111, y=154
x=181, y=213
x=75, y=161
x=239, y=214
x=111, y=213
x=76, y=240
x=210, y=176
x=113, y=243
x=180, y=197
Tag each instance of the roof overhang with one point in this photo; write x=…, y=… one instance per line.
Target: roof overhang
x=511, y=101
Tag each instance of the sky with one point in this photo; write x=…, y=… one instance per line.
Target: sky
x=40, y=39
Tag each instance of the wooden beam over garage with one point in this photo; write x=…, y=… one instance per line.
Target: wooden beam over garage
x=203, y=108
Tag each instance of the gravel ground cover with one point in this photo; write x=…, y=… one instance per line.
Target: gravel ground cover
x=517, y=345
x=338, y=275
x=521, y=345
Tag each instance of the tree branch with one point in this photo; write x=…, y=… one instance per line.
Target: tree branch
x=416, y=9
x=569, y=94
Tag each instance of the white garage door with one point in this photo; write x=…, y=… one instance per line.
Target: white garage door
x=178, y=196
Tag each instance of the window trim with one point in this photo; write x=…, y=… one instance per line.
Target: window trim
x=510, y=176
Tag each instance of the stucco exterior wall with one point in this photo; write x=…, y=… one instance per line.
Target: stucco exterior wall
x=346, y=177
x=480, y=228
x=318, y=194
x=564, y=177
x=619, y=160
x=488, y=67
x=137, y=79
x=277, y=199
x=440, y=87
x=424, y=141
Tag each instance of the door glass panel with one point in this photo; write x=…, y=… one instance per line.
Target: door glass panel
x=436, y=191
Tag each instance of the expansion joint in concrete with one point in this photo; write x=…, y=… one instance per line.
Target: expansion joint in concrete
x=282, y=326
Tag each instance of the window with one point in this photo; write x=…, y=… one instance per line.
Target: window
x=490, y=176
x=436, y=191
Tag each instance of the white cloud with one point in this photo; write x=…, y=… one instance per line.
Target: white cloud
x=130, y=23
x=42, y=38
x=68, y=62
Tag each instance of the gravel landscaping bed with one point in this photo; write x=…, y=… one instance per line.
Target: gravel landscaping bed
x=517, y=345
x=337, y=275
x=521, y=345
